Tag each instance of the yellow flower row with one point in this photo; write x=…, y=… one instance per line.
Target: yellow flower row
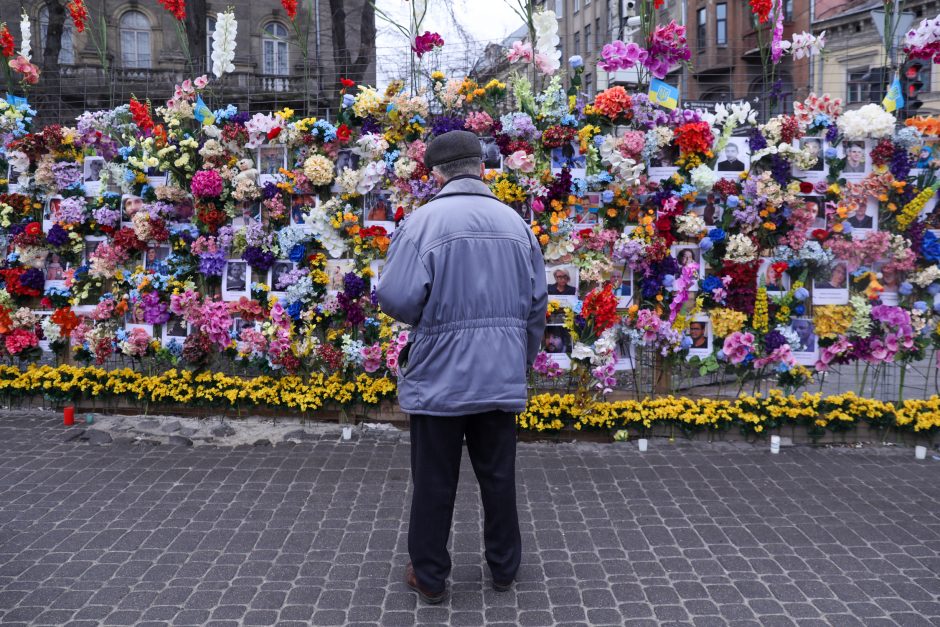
x=545, y=412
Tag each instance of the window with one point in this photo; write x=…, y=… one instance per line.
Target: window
x=700, y=29
x=866, y=84
x=577, y=43
x=274, y=49
x=560, y=8
x=67, y=49
x=788, y=11
x=135, y=40
x=587, y=39
x=577, y=6
x=721, y=23
x=210, y=28
x=598, y=34
x=588, y=85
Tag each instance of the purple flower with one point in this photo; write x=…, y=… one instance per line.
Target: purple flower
x=774, y=340
x=756, y=141
x=106, y=216
x=154, y=310
x=57, y=236
x=371, y=126
x=445, y=124
x=258, y=258
x=270, y=191
x=66, y=173
x=212, y=264
x=33, y=279
x=900, y=164
x=354, y=285
x=70, y=211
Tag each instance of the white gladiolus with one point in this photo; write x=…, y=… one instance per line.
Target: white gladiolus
x=547, y=54
x=223, y=44
x=25, y=33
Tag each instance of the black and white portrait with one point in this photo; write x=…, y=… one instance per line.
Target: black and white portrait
x=235, y=283
x=492, y=158
x=734, y=157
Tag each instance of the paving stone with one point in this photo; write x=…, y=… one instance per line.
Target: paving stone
x=316, y=533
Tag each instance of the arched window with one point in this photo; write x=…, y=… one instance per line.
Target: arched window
x=135, y=40
x=274, y=49
x=67, y=49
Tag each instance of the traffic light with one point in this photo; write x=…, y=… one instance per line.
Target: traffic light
x=914, y=76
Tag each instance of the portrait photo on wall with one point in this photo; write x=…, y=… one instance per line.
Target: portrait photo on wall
x=707, y=209
x=270, y=160
x=864, y=219
x=336, y=270
x=662, y=164
x=279, y=271
x=130, y=205
x=239, y=324
x=689, y=255
x=175, y=329
x=556, y=340
x=817, y=204
x=700, y=336
x=808, y=351
x=300, y=205
x=774, y=276
x=562, y=282
x=890, y=280
x=625, y=353
x=91, y=174
x=346, y=159
x=584, y=213
x=734, y=158
x=13, y=177
x=155, y=258
x=835, y=289
x=91, y=245
x=926, y=154
x=622, y=285
x=857, y=164
x=815, y=146
x=569, y=156
x=235, y=281
x=377, y=207
x=492, y=157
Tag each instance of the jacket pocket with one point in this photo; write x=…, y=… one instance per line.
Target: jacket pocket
x=403, y=360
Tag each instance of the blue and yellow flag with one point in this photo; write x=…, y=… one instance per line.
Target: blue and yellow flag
x=203, y=113
x=664, y=94
x=16, y=101
x=894, y=99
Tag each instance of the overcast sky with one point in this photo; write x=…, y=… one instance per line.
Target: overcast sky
x=484, y=21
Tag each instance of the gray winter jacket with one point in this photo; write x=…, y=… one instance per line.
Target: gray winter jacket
x=467, y=273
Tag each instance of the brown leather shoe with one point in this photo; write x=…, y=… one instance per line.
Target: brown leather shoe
x=428, y=597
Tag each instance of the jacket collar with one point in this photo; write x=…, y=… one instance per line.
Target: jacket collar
x=465, y=185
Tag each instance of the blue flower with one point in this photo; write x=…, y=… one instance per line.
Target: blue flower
x=575, y=62
x=933, y=289
x=297, y=253
x=717, y=235
x=799, y=310
x=721, y=356
x=905, y=288
x=711, y=283
x=732, y=201
x=668, y=280
x=293, y=310
x=930, y=247
x=846, y=227
x=706, y=244
x=348, y=100
x=920, y=306
x=607, y=196
x=801, y=293
x=686, y=342
x=831, y=153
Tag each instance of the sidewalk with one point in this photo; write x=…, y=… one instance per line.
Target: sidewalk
x=315, y=533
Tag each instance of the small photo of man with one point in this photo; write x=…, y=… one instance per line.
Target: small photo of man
x=235, y=279
x=855, y=158
x=271, y=159
x=556, y=340
x=130, y=205
x=698, y=333
x=865, y=217
x=730, y=159
x=562, y=281
x=803, y=327
x=815, y=146
x=492, y=158
x=92, y=169
x=665, y=157
x=346, y=159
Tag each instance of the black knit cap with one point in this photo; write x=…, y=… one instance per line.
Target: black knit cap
x=452, y=146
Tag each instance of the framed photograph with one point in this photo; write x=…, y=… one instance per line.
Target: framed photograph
x=663, y=164
x=130, y=326
x=808, y=351
x=700, y=332
x=235, y=282
x=584, y=213
x=818, y=204
x=625, y=354
x=622, y=285
x=270, y=160
x=156, y=178
x=687, y=254
x=336, y=269
x=814, y=146
x=562, y=282
x=246, y=213
x=44, y=344
x=835, y=289
x=734, y=159
x=708, y=210
x=346, y=159
x=377, y=209
x=890, y=280
x=279, y=270
x=130, y=205
x=857, y=161
x=377, y=267
x=557, y=342
x=777, y=283
x=54, y=270
x=155, y=258
x=569, y=156
x=865, y=219
x=50, y=212
x=492, y=157
x=13, y=177
x=91, y=175
x=175, y=329
x=91, y=245
x=300, y=205
x=239, y=325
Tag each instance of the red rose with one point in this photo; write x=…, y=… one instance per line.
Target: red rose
x=274, y=132
x=33, y=228
x=345, y=82
x=343, y=133
x=806, y=187
x=780, y=267
x=820, y=234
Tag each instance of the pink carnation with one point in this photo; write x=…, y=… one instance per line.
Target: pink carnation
x=479, y=122
x=19, y=340
x=207, y=184
x=738, y=346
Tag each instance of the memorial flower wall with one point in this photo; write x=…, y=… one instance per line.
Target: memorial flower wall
x=193, y=235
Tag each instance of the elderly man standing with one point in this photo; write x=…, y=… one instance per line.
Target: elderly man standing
x=467, y=273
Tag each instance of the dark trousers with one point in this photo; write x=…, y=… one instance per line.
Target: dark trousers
x=436, y=447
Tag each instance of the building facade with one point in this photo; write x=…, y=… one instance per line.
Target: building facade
x=146, y=57
x=854, y=66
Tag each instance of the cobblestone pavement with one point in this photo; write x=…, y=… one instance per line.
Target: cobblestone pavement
x=315, y=533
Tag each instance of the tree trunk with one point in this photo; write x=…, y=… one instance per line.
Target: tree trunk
x=345, y=66
x=53, y=43
x=197, y=12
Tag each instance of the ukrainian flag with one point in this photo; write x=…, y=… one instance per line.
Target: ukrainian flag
x=664, y=94
x=203, y=113
x=894, y=99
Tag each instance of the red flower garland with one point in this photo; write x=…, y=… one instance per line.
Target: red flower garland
x=177, y=8
x=7, y=45
x=79, y=13
x=742, y=291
